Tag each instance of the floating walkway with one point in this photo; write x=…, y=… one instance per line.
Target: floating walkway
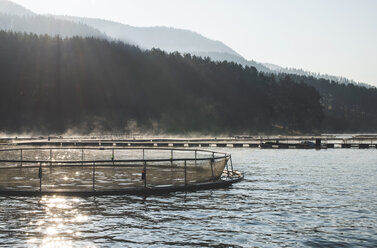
x=271, y=142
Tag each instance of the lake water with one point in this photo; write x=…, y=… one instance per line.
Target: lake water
x=289, y=198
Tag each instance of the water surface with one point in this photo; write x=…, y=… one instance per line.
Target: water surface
x=289, y=198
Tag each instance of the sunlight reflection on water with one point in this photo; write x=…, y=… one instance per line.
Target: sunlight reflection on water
x=61, y=215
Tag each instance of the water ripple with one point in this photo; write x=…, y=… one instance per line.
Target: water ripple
x=289, y=198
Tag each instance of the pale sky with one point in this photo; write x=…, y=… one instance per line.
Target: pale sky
x=337, y=37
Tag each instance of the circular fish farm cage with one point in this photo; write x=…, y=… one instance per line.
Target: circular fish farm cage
x=112, y=170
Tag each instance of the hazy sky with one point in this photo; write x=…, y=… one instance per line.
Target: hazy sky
x=337, y=37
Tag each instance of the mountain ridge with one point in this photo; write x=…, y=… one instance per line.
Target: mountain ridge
x=51, y=84
x=145, y=37
x=14, y=8
x=168, y=39
x=41, y=25
x=224, y=54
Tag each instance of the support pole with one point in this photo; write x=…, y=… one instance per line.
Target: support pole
x=185, y=172
x=82, y=156
x=40, y=177
x=145, y=174
x=171, y=158
x=143, y=154
x=94, y=176
x=195, y=156
x=50, y=157
x=227, y=167
x=112, y=156
x=212, y=162
x=21, y=158
x=318, y=143
x=231, y=163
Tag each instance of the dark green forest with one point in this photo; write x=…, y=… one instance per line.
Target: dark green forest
x=51, y=85
x=346, y=108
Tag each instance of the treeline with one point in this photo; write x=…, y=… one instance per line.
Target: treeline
x=50, y=85
x=346, y=107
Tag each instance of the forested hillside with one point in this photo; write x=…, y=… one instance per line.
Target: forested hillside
x=346, y=107
x=52, y=84
x=14, y=17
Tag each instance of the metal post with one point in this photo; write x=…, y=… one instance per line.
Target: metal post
x=231, y=163
x=112, y=156
x=195, y=157
x=171, y=161
x=145, y=173
x=94, y=176
x=227, y=167
x=185, y=173
x=21, y=158
x=40, y=177
x=82, y=156
x=212, y=162
x=50, y=157
x=143, y=154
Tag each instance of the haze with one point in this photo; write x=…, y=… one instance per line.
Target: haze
x=330, y=37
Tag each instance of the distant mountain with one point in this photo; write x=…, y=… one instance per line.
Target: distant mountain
x=300, y=72
x=11, y=8
x=164, y=38
x=185, y=41
x=14, y=17
x=21, y=19
x=272, y=66
x=39, y=24
x=169, y=40
x=49, y=84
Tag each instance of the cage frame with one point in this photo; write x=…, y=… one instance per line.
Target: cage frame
x=226, y=179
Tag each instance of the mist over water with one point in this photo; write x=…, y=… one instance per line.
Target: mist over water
x=289, y=198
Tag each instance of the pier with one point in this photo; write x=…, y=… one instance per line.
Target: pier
x=264, y=142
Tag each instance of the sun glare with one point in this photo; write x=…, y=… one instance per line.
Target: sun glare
x=60, y=225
